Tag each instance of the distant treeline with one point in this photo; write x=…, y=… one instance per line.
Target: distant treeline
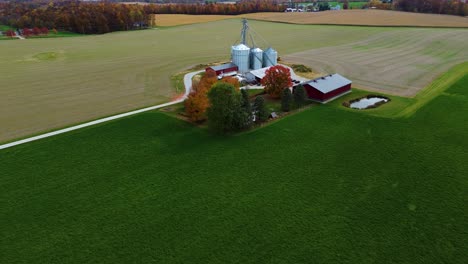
x=451, y=7
x=74, y=16
x=103, y=17
x=242, y=7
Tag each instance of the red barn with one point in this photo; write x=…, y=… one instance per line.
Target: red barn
x=223, y=68
x=327, y=88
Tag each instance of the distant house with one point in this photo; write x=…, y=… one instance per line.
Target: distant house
x=223, y=68
x=327, y=88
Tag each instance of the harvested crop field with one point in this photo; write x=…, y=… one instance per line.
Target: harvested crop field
x=396, y=62
x=166, y=20
x=343, y=17
x=51, y=83
x=365, y=18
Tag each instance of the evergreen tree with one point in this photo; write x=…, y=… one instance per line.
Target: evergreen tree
x=300, y=96
x=286, y=99
x=261, y=112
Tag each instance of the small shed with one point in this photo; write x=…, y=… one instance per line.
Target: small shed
x=223, y=68
x=327, y=88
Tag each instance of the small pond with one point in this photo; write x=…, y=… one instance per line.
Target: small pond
x=368, y=102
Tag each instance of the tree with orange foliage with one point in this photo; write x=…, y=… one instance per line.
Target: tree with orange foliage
x=233, y=81
x=197, y=102
x=276, y=79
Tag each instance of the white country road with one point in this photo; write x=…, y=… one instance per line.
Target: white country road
x=188, y=86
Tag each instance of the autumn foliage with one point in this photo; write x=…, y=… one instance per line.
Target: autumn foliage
x=197, y=102
x=10, y=33
x=102, y=17
x=75, y=16
x=233, y=81
x=276, y=79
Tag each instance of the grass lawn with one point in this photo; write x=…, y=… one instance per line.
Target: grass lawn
x=327, y=185
x=59, y=34
x=5, y=27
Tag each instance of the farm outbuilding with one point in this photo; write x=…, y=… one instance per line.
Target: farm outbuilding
x=327, y=88
x=223, y=68
x=256, y=75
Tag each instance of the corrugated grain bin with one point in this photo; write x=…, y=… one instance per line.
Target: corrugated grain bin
x=241, y=57
x=257, y=58
x=270, y=57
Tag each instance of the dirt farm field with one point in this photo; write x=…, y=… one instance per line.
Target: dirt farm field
x=52, y=83
x=395, y=62
x=343, y=17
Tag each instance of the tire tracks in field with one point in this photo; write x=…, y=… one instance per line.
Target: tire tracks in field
x=402, y=66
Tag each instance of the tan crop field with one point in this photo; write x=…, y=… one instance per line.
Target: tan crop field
x=395, y=62
x=365, y=18
x=166, y=20
x=343, y=17
x=51, y=83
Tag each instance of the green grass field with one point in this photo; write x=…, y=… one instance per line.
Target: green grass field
x=327, y=185
x=352, y=5
x=52, y=83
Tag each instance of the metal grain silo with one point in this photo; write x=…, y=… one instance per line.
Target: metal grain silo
x=240, y=56
x=270, y=57
x=257, y=58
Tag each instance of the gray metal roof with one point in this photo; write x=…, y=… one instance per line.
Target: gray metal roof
x=329, y=83
x=223, y=66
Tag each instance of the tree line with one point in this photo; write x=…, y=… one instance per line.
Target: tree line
x=449, y=7
x=104, y=17
x=452, y=7
x=229, y=109
x=74, y=16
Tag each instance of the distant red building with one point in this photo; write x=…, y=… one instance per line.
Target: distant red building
x=223, y=68
x=327, y=88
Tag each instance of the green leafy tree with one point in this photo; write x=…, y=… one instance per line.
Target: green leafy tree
x=300, y=96
x=225, y=105
x=261, y=112
x=246, y=110
x=286, y=99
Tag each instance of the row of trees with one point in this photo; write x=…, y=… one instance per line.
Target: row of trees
x=242, y=7
x=103, y=17
x=75, y=16
x=228, y=109
x=452, y=7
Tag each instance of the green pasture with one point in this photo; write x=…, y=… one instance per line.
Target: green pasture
x=326, y=185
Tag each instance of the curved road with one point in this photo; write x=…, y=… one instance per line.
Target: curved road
x=188, y=86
